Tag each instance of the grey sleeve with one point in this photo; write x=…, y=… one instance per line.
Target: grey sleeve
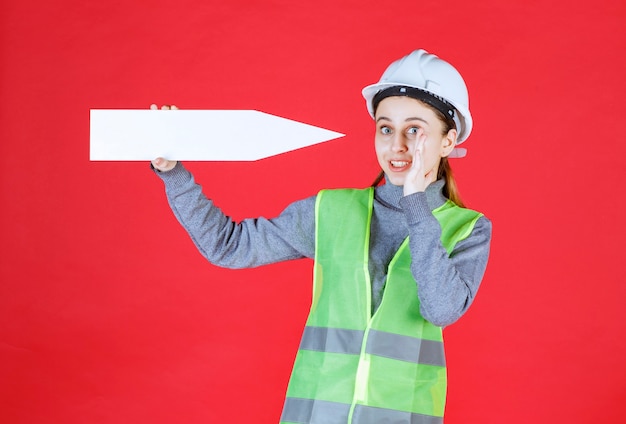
x=446, y=285
x=249, y=243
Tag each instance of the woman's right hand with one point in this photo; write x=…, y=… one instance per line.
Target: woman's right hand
x=160, y=164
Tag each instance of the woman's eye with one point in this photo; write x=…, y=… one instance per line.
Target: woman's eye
x=385, y=130
x=413, y=130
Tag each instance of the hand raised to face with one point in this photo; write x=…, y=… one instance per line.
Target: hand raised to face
x=418, y=178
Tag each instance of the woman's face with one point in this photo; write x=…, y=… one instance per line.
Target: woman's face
x=398, y=121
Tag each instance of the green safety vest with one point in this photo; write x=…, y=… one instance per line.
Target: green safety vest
x=355, y=367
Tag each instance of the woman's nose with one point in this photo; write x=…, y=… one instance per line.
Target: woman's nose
x=399, y=144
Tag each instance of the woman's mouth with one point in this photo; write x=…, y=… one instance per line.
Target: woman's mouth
x=399, y=165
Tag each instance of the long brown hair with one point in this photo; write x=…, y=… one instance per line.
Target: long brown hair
x=450, y=188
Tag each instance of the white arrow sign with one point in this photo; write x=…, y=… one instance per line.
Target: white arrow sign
x=212, y=135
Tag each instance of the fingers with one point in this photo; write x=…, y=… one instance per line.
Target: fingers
x=417, y=179
x=418, y=150
x=160, y=164
x=421, y=140
x=164, y=107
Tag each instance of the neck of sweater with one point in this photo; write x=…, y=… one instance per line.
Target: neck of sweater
x=390, y=195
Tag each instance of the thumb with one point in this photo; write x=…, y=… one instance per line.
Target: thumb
x=163, y=165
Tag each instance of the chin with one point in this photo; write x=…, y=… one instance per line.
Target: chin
x=397, y=181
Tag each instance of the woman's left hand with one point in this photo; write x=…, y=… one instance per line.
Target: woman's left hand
x=417, y=179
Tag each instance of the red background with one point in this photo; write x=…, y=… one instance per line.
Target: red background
x=109, y=315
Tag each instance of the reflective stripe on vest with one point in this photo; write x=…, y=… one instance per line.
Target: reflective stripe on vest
x=395, y=346
x=353, y=367
x=324, y=412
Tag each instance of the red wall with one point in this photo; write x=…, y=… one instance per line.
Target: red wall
x=109, y=315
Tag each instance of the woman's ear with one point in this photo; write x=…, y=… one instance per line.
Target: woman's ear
x=448, y=142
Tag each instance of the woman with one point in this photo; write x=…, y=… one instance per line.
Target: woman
x=394, y=263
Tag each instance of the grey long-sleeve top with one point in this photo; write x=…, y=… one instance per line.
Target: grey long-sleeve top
x=446, y=285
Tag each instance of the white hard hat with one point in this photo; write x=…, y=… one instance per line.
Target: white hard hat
x=432, y=75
